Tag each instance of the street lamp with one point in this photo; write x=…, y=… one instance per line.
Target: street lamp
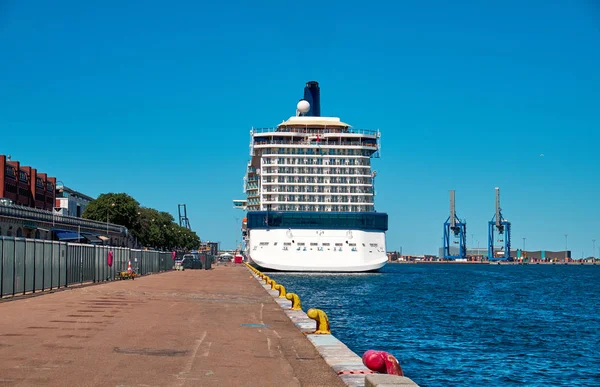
x=107, y=211
x=524, y=244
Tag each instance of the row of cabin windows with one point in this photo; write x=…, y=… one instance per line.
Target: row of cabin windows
x=315, y=161
x=321, y=208
x=318, y=189
x=318, y=179
x=318, y=151
x=318, y=170
x=315, y=244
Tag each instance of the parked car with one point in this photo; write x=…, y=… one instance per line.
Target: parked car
x=191, y=261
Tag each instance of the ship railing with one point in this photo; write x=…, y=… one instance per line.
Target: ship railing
x=316, y=131
x=263, y=141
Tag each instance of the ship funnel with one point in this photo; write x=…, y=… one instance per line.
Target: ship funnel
x=312, y=94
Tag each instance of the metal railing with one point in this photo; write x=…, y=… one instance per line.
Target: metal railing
x=32, y=265
x=260, y=142
x=308, y=130
x=27, y=213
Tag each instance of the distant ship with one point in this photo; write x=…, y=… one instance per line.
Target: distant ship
x=310, y=196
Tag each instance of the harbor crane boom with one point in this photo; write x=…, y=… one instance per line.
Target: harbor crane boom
x=183, y=219
x=502, y=226
x=455, y=229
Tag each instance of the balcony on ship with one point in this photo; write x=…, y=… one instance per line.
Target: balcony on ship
x=263, y=141
x=336, y=130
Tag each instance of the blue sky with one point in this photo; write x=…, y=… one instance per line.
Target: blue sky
x=156, y=99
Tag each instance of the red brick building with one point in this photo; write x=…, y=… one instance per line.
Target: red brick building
x=25, y=186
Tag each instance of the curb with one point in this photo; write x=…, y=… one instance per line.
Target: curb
x=347, y=364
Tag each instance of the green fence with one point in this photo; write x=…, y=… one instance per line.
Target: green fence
x=31, y=265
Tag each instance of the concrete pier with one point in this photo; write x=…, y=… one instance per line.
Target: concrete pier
x=347, y=364
x=186, y=328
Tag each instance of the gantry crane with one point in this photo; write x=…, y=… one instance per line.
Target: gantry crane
x=455, y=230
x=183, y=219
x=498, y=223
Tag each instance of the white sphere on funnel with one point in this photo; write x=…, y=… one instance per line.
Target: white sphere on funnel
x=303, y=106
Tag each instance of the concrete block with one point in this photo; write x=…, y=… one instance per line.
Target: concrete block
x=353, y=380
x=324, y=339
x=383, y=380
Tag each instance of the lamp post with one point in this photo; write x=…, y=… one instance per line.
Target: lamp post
x=524, y=244
x=237, y=222
x=107, y=212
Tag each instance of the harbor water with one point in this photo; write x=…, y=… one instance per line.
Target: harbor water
x=475, y=325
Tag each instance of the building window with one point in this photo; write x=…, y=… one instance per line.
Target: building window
x=9, y=171
x=10, y=188
x=23, y=177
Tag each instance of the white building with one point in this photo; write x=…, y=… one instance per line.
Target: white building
x=70, y=202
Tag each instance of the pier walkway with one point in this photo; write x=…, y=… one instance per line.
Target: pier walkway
x=191, y=328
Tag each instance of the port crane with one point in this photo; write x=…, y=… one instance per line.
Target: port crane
x=183, y=219
x=502, y=226
x=455, y=230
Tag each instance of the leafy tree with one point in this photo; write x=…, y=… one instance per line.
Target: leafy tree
x=159, y=230
x=117, y=208
x=152, y=228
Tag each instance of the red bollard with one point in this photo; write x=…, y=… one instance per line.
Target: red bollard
x=382, y=362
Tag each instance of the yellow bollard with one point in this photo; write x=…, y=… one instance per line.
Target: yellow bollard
x=281, y=289
x=322, y=321
x=273, y=284
x=267, y=279
x=296, y=304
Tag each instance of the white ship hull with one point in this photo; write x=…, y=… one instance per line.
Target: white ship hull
x=309, y=250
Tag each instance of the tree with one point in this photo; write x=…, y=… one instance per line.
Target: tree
x=159, y=230
x=116, y=208
x=152, y=228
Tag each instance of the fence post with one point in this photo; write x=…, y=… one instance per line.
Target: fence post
x=14, y=265
x=25, y=268
x=34, y=250
x=51, y=268
x=58, y=282
x=67, y=271
x=80, y=264
x=1, y=266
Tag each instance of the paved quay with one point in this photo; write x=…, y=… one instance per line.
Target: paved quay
x=189, y=328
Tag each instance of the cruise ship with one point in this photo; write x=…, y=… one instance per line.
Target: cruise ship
x=310, y=195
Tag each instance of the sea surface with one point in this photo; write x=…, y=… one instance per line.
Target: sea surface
x=472, y=325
